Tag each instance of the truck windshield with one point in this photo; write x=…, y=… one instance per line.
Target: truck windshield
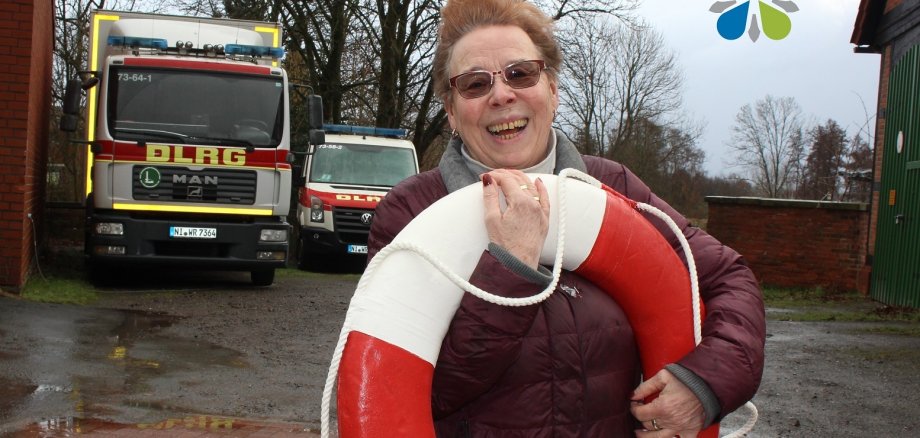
x=361, y=164
x=195, y=107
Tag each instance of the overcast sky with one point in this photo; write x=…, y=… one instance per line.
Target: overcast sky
x=815, y=64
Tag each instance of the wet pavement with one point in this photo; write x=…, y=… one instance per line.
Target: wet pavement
x=79, y=371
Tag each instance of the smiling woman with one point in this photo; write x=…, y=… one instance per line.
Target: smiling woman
x=568, y=365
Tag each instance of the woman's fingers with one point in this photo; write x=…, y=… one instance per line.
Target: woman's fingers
x=675, y=411
x=520, y=227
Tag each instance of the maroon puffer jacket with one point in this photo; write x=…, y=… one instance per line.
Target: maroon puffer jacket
x=566, y=367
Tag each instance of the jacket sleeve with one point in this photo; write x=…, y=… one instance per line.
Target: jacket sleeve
x=730, y=358
x=483, y=338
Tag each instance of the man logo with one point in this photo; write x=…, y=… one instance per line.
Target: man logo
x=367, y=218
x=195, y=192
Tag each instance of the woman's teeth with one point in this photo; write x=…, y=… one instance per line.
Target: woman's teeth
x=507, y=130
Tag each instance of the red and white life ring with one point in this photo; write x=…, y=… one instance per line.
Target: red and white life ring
x=402, y=307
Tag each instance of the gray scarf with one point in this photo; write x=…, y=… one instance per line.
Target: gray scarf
x=457, y=174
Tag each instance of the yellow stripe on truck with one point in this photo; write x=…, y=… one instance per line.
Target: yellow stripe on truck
x=275, y=42
x=91, y=98
x=190, y=209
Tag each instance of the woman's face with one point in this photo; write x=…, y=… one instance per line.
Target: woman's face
x=507, y=127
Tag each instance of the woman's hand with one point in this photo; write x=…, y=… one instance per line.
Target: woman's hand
x=676, y=411
x=522, y=226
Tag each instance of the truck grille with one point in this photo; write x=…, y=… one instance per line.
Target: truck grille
x=348, y=225
x=219, y=186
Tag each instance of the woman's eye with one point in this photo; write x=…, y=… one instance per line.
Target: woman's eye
x=516, y=73
x=475, y=84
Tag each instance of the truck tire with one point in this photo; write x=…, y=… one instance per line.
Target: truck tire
x=262, y=277
x=307, y=261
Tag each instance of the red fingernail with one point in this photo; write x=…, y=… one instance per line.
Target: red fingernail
x=486, y=179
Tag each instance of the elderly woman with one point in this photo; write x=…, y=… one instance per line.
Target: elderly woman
x=568, y=366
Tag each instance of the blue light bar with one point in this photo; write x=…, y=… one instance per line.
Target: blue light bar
x=246, y=50
x=138, y=42
x=364, y=130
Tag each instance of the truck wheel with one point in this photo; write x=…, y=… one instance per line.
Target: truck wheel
x=263, y=277
x=311, y=262
x=99, y=276
x=307, y=261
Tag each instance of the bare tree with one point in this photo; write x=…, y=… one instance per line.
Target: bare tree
x=585, y=88
x=825, y=161
x=649, y=81
x=615, y=77
x=857, y=171
x=579, y=10
x=768, y=141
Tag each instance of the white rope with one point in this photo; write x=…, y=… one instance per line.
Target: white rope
x=749, y=425
x=463, y=284
x=695, y=293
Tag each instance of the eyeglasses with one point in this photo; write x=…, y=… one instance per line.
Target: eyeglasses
x=521, y=74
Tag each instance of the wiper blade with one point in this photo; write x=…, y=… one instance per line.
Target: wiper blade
x=155, y=133
x=229, y=141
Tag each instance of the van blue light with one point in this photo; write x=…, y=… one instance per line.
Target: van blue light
x=246, y=50
x=364, y=130
x=138, y=42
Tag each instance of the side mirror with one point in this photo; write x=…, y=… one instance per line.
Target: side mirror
x=317, y=136
x=71, y=105
x=315, y=112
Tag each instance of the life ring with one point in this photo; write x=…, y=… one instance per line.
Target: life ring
x=402, y=307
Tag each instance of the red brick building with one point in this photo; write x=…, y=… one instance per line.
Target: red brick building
x=26, y=42
x=891, y=28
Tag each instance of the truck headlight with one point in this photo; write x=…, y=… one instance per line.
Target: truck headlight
x=316, y=209
x=109, y=229
x=270, y=235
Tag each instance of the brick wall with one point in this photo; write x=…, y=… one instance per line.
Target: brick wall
x=798, y=244
x=26, y=43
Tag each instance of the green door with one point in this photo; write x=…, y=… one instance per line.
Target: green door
x=896, y=267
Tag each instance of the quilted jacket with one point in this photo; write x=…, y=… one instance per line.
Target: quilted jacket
x=567, y=367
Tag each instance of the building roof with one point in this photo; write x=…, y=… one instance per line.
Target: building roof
x=867, y=20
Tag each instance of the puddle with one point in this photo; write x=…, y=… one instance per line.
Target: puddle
x=225, y=426
x=69, y=364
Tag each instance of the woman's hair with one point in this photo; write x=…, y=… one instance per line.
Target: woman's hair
x=460, y=17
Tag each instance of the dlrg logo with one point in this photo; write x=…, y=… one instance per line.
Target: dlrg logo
x=734, y=19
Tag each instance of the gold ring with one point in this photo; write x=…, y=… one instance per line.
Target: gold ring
x=524, y=186
x=655, y=424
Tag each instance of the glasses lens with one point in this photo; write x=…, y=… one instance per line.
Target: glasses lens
x=522, y=74
x=474, y=84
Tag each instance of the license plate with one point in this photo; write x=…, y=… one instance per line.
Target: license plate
x=193, y=232
x=357, y=249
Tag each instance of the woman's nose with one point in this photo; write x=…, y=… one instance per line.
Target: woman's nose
x=502, y=93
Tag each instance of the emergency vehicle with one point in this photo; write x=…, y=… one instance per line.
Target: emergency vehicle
x=345, y=178
x=189, y=164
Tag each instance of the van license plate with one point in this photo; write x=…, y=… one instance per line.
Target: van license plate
x=357, y=249
x=193, y=232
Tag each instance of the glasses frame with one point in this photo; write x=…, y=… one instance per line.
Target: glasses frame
x=502, y=73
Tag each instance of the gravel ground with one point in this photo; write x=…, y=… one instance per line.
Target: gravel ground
x=226, y=348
